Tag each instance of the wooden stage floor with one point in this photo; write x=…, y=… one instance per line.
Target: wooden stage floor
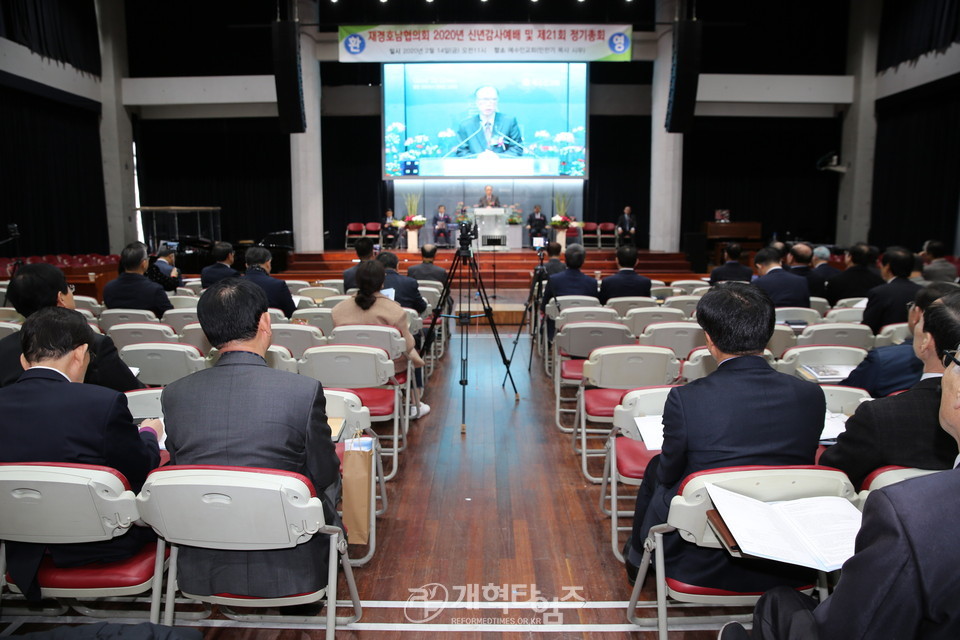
x=504, y=505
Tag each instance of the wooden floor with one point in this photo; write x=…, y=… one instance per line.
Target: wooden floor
x=503, y=504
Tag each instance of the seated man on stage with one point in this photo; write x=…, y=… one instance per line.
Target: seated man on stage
x=441, y=226
x=626, y=227
x=389, y=232
x=536, y=224
x=744, y=413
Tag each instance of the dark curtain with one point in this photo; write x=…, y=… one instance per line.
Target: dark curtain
x=916, y=171
x=619, y=171
x=762, y=169
x=208, y=38
x=51, y=176
x=760, y=36
x=65, y=30
x=241, y=165
x=911, y=28
x=353, y=187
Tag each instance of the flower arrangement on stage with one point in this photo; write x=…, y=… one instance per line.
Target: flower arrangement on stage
x=564, y=149
x=562, y=222
x=561, y=205
x=514, y=216
x=462, y=215
x=414, y=222
x=412, y=202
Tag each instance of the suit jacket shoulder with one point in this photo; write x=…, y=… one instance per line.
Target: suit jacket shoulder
x=899, y=430
x=905, y=554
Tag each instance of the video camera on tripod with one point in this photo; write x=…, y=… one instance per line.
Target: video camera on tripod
x=468, y=233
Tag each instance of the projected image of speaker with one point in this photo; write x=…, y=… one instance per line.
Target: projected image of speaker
x=286, y=73
x=684, y=75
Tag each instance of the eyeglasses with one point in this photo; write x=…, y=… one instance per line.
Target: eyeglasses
x=910, y=306
x=949, y=355
x=71, y=288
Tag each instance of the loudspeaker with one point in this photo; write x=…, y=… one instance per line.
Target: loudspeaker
x=695, y=246
x=684, y=76
x=286, y=74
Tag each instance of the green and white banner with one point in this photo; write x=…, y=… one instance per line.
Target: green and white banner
x=486, y=43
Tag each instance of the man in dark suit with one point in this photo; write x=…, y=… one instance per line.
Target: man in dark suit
x=489, y=131
x=258, y=261
x=821, y=264
x=626, y=227
x=536, y=224
x=857, y=279
x=626, y=282
x=426, y=270
x=364, y=249
x=799, y=260
x=389, y=232
x=224, y=254
x=905, y=429
x=553, y=264
x=744, y=413
x=44, y=418
x=784, y=288
x=131, y=289
x=571, y=281
x=896, y=367
x=441, y=226
x=488, y=199
x=902, y=581
x=243, y=413
x=731, y=269
x=887, y=303
x=41, y=285
x=939, y=268
x=406, y=292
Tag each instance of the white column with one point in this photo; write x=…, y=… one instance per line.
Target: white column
x=116, y=134
x=666, y=149
x=306, y=168
x=859, y=125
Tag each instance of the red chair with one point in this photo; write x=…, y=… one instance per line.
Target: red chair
x=354, y=231
x=688, y=517
x=244, y=509
x=607, y=234
x=591, y=233
x=372, y=229
x=627, y=455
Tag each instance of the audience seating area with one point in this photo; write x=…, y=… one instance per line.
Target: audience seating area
x=609, y=366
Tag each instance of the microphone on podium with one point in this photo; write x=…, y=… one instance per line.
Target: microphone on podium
x=464, y=141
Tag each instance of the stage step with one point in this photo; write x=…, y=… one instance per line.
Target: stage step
x=506, y=269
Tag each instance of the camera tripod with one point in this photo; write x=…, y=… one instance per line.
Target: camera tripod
x=463, y=261
x=534, y=295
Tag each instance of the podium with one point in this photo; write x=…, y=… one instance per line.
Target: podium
x=491, y=228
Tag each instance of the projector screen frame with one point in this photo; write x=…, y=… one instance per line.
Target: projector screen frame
x=529, y=133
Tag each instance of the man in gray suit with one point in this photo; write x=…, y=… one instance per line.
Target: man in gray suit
x=243, y=413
